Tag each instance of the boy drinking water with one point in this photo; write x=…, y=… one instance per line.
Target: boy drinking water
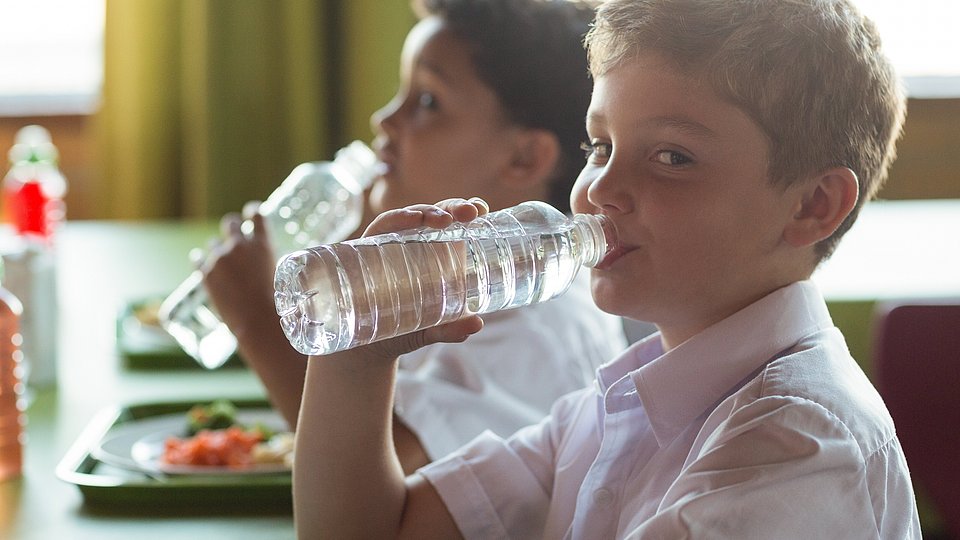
x=732, y=143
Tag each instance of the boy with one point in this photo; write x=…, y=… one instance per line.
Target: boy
x=732, y=143
x=464, y=119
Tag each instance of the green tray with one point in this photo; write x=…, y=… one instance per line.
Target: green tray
x=105, y=487
x=148, y=347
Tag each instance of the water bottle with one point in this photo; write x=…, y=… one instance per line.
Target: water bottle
x=318, y=202
x=33, y=191
x=34, y=187
x=12, y=403
x=335, y=297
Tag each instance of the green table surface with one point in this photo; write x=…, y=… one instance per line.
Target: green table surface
x=102, y=266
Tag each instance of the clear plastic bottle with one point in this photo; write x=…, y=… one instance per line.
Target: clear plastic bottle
x=34, y=187
x=12, y=403
x=319, y=202
x=33, y=192
x=340, y=296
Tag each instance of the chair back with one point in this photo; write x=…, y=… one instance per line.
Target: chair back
x=916, y=368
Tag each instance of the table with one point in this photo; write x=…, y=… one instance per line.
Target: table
x=103, y=265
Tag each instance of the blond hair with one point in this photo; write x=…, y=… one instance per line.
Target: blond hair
x=810, y=73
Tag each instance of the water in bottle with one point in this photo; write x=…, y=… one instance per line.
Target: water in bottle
x=335, y=297
x=319, y=202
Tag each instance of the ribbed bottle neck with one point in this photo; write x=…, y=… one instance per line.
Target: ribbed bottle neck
x=593, y=236
x=360, y=161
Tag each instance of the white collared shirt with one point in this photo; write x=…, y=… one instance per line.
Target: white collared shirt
x=761, y=426
x=448, y=393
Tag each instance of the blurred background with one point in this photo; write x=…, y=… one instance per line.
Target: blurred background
x=189, y=108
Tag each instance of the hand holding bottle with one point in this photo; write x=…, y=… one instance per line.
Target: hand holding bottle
x=318, y=202
x=243, y=259
x=338, y=296
x=438, y=216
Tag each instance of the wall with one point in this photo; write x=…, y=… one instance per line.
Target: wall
x=928, y=162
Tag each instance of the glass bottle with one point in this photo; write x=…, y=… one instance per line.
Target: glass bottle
x=12, y=403
x=318, y=202
x=335, y=297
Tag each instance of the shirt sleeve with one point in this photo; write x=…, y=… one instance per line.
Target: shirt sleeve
x=502, y=488
x=778, y=464
x=505, y=377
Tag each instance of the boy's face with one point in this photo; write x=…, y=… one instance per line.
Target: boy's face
x=443, y=134
x=683, y=175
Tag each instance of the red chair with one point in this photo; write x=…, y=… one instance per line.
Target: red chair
x=917, y=371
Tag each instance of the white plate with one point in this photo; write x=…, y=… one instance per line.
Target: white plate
x=139, y=444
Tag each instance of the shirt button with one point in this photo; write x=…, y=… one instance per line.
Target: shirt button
x=602, y=497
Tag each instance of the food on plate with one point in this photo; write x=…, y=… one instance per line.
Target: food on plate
x=215, y=439
x=277, y=450
x=147, y=312
x=230, y=447
x=220, y=414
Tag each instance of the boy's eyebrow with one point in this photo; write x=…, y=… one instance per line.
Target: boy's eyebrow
x=595, y=119
x=436, y=69
x=679, y=123
x=683, y=125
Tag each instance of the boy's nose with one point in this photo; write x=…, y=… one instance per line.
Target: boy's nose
x=382, y=118
x=606, y=192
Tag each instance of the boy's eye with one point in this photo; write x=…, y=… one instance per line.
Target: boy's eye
x=427, y=100
x=670, y=157
x=596, y=150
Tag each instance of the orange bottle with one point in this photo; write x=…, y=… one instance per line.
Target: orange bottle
x=12, y=402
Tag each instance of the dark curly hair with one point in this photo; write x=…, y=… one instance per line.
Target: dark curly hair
x=530, y=53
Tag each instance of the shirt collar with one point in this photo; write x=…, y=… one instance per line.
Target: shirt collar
x=679, y=385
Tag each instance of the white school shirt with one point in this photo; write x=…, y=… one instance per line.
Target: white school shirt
x=509, y=374
x=761, y=426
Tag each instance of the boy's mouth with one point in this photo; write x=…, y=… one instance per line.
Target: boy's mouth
x=611, y=257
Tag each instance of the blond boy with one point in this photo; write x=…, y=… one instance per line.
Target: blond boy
x=732, y=142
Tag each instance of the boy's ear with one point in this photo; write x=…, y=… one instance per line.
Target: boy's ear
x=535, y=156
x=825, y=201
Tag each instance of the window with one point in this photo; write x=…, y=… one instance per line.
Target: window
x=51, y=56
x=51, y=51
x=922, y=38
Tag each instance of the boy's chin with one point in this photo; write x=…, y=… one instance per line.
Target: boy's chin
x=608, y=298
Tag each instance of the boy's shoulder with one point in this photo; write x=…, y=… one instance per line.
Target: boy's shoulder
x=820, y=374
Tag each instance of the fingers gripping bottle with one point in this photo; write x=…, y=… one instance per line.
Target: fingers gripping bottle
x=319, y=202
x=340, y=296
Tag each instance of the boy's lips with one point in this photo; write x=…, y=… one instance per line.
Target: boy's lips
x=387, y=158
x=611, y=257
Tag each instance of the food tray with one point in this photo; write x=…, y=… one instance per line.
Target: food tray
x=147, y=346
x=108, y=487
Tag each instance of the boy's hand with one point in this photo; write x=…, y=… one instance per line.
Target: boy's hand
x=238, y=272
x=436, y=216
